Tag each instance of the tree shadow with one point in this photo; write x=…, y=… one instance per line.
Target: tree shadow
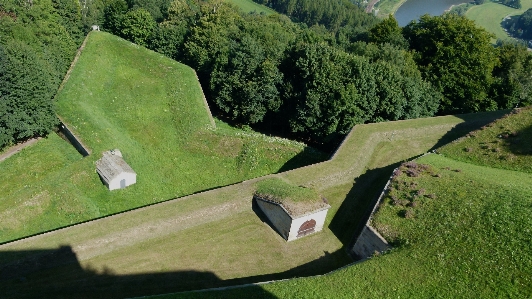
x=472, y=122
x=307, y=157
x=349, y=220
x=57, y=273
x=520, y=142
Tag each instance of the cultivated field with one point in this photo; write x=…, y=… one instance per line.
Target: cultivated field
x=217, y=238
x=490, y=15
x=459, y=230
x=120, y=95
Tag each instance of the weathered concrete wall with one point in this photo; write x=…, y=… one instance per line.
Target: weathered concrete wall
x=277, y=216
x=368, y=243
x=130, y=178
x=319, y=217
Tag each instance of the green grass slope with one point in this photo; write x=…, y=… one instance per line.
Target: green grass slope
x=490, y=15
x=470, y=241
x=217, y=238
x=120, y=95
x=459, y=230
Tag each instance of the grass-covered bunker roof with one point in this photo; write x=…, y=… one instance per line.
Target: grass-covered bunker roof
x=296, y=200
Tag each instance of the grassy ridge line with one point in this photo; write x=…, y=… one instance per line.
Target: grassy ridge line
x=213, y=124
x=505, y=143
x=73, y=64
x=353, y=155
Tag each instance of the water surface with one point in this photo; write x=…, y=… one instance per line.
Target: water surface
x=413, y=9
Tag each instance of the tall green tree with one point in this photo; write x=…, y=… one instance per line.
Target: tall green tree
x=26, y=91
x=513, y=76
x=457, y=57
x=137, y=26
x=113, y=13
x=246, y=86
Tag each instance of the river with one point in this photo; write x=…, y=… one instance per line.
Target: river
x=413, y=9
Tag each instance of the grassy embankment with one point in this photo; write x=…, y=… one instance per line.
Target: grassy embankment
x=460, y=229
x=250, y=6
x=216, y=238
x=150, y=107
x=490, y=15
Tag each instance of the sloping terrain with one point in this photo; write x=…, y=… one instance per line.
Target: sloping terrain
x=217, y=238
x=459, y=229
x=120, y=95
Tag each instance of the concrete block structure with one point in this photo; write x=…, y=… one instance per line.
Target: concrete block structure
x=292, y=223
x=114, y=171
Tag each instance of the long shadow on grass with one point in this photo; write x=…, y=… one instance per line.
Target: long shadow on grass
x=471, y=122
x=520, y=143
x=355, y=210
x=349, y=220
x=56, y=273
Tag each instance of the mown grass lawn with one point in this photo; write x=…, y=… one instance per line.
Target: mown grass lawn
x=490, y=15
x=471, y=240
x=216, y=238
x=123, y=96
x=250, y=6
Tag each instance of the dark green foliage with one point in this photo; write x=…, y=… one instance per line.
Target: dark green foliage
x=70, y=12
x=246, y=87
x=513, y=76
x=137, y=26
x=26, y=90
x=512, y=3
x=157, y=8
x=113, y=13
x=525, y=24
x=388, y=31
x=35, y=52
x=168, y=39
x=334, y=14
x=330, y=91
x=457, y=57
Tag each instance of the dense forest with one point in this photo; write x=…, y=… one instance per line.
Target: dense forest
x=310, y=73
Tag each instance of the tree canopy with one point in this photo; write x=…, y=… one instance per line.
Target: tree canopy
x=457, y=57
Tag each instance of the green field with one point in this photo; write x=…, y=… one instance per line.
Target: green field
x=459, y=230
x=490, y=16
x=120, y=95
x=217, y=238
x=250, y=6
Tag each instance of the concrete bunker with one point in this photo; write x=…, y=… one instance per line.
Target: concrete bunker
x=293, y=211
x=114, y=171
